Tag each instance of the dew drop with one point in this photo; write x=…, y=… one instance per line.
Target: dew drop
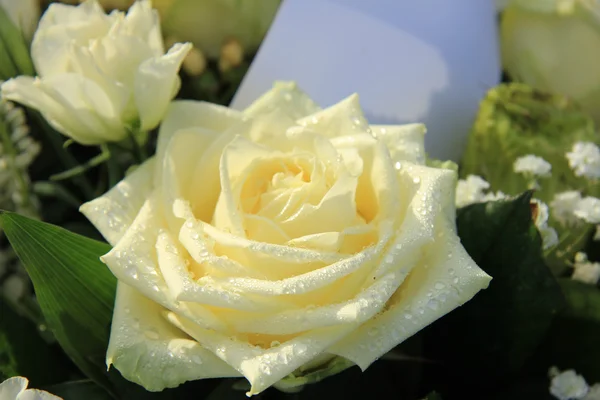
x=439, y=286
x=416, y=179
x=398, y=165
x=455, y=280
x=196, y=359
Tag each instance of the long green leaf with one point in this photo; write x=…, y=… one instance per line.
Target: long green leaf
x=74, y=289
x=23, y=351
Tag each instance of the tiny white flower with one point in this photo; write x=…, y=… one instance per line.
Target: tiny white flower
x=493, y=196
x=532, y=165
x=567, y=385
x=470, y=190
x=584, y=159
x=588, y=209
x=14, y=287
x=594, y=393
x=564, y=205
x=585, y=271
x=549, y=235
x=15, y=388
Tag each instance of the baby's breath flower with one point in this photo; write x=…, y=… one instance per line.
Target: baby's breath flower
x=567, y=385
x=549, y=235
x=532, y=165
x=588, y=209
x=584, y=159
x=470, y=190
x=584, y=270
x=564, y=205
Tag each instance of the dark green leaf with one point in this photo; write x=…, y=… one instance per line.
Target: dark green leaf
x=24, y=353
x=77, y=390
x=572, y=342
x=493, y=335
x=75, y=290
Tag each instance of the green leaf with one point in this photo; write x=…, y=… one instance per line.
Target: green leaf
x=74, y=289
x=433, y=396
x=14, y=50
x=572, y=342
x=492, y=336
x=77, y=390
x=24, y=353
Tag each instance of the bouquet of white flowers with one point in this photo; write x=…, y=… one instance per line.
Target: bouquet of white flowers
x=157, y=238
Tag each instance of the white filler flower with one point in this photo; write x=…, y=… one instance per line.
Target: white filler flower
x=584, y=270
x=564, y=205
x=99, y=75
x=567, y=385
x=532, y=165
x=584, y=159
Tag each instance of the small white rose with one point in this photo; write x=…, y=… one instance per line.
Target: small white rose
x=99, y=75
x=15, y=388
x=257, y=242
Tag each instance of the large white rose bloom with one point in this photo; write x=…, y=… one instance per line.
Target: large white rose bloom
x=256, y=242
x=99, y=75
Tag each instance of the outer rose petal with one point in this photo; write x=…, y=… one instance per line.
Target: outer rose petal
x=446, y=279
x=150, y=351
x=341, y=119
x=264, y=367
x=10, y=388
x=15, y=389
x=114, y=212
x=58, y=26
x=73, y=104
x=404, y=142
x=143, y=21
x=284, y=97
x=156, y=83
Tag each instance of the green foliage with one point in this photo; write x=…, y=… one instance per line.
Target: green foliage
x=74, y=289
x=489, y=339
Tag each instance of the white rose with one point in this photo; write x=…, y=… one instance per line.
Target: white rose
x=15, y=388
x=99, y=75
x=255, y=242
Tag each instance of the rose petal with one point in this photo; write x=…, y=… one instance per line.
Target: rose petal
x=155, y=83
x=133, y=260
x=113, y=212
x=183, y=287
x=343, y=118
x=150, y=351
x=286, y=97
x=359, y=309
x=186, y=114
x=405, y=142
x=76, y=106
x=446, y=279
x=35, y=394
x=263, y=367
x=10, y=388
x=61, y=24
x=143, y=21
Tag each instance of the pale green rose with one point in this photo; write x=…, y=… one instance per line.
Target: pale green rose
x=258, y=243
x=15, y=388
x=99, y=75
x=554, y=46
